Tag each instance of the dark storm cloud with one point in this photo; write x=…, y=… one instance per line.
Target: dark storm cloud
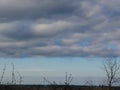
x=59, y=28
x=29, y=9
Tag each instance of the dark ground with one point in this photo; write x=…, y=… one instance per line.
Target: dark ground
x=53, y=87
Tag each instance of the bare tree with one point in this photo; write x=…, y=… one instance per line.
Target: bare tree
x=49, y=82
x=111, y=68
x=13, y=74
x=1, y=79
x=20, y=78
x=68, y=79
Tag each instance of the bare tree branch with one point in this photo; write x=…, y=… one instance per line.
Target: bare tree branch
x=4, y=69
x=111, y=68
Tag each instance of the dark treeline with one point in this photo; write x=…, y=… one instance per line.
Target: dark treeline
x=54, y=87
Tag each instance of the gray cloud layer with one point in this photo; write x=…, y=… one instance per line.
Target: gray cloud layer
x=64, y=28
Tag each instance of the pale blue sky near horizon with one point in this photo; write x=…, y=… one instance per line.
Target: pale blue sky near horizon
x=34, y=69
x=55, y=66
x=51, y=68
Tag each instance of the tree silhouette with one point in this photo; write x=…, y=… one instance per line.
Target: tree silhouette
x=111, y=68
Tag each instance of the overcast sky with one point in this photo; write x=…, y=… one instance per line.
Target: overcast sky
x=57, y=30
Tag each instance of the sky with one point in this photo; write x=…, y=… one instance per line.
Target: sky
x=33, y=70
x=56, y=36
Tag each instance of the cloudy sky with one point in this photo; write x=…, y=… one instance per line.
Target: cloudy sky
x=59, y=29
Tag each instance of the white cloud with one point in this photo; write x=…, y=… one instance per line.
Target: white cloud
x=54, y=27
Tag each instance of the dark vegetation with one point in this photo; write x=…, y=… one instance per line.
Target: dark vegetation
x=111, y=68
x=55, y=87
